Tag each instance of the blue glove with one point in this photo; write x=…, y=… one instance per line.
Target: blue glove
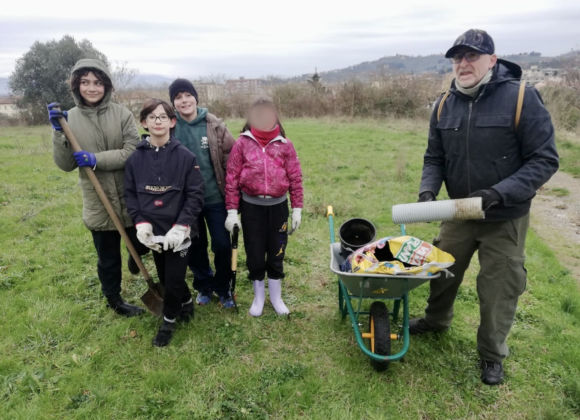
x=85, y=158
x=55, y=114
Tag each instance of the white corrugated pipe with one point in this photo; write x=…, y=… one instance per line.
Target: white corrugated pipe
x=432, y=211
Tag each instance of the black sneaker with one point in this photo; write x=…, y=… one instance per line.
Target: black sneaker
x=491, y=372
x=164, y=334
x=133, y=267
x=186, y=313
x=121, y=307
x=420, y=326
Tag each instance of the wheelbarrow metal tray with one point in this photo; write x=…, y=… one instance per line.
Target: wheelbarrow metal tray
x=369, y=285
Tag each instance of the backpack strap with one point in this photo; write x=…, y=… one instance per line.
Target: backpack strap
x=520, y=104
x=441, y=103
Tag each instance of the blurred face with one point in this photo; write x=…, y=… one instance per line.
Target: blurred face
x=186, y=105
x=92, y=90
x=469, y=66
x=263, y=118
x=158, y=123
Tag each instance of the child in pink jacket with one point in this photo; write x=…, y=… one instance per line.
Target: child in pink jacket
x=262, y=169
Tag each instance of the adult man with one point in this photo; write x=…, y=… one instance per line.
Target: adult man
x=476, y=147
x=209, y=139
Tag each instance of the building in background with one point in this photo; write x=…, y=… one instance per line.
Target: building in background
x=8, y=107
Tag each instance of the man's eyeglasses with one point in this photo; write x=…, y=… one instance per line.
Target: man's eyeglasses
x=470, y=57
x=153, y=118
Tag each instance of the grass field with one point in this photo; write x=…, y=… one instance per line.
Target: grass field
x=65, y=355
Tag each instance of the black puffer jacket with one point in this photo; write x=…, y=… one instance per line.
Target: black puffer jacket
x=164, y=186
x=475, y=144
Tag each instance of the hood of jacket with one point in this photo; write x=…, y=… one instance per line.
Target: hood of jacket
x=145, y=144
x=279, y=137
x=92, y=63
x=503, y=71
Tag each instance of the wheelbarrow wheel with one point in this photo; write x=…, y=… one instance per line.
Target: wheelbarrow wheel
x=380, y=329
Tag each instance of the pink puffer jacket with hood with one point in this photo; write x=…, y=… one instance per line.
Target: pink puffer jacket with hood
x=273, y=170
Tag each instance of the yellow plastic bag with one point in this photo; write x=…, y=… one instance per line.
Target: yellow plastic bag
x=400, y=255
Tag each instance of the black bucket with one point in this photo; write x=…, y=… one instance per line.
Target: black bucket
x=354, y=234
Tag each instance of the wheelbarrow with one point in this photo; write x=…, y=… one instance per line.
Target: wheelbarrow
x=384, y=327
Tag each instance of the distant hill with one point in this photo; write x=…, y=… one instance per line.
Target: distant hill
x=391, y=65
x=435, y=63
x=4, y=88
x=150, y=80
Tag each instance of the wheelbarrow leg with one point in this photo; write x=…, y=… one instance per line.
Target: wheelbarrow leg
x=396, y=307
x=341, y=302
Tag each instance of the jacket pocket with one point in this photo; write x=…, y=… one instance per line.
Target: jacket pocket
x=494, y=120
x=163, y=201
x=506, y=165
x=449, y=123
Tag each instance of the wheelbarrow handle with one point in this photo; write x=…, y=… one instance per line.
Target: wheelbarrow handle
x=106, y=203
x=235, y=235
x=330, y=216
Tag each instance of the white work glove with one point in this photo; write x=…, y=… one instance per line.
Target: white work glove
x=232, y=220
x=296, y=218
x=145, y=236
x=175, y=237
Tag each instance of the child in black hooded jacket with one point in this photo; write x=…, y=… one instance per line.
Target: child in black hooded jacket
x=164, y=195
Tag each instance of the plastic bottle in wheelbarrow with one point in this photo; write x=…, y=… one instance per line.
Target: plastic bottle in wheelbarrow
x=354, y=234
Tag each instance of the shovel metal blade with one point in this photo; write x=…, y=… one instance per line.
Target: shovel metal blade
x=153, y=299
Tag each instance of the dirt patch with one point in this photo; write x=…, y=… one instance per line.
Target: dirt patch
x=556, y=218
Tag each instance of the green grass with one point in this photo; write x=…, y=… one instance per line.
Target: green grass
x=569, y=151
x=65, y=355
x=558, y=192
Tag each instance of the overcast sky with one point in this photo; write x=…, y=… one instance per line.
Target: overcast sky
x=258, y=38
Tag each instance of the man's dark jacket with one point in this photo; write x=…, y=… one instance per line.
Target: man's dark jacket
x=475, y=144
x=164, y=186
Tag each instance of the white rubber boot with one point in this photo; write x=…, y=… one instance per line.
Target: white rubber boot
x=275, y=289
x=259, y=297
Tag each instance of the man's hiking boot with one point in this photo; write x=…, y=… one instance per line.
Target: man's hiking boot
x=121, y=307
x=132, y=265
x=165, y=333
x=491, y=372
x=420, y=326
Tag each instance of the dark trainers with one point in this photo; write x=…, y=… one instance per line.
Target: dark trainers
x=227, y=302
x=186, y=313
x=420, y=326
x=491, y=372
x=123, y=308
x=203, y=299
x=164, y=334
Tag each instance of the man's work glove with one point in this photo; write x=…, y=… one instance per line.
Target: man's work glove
x=85, y=158
x=232, y=220
x=145, y=236
x=296, y=218
x=54, y=113
x=426, y=196
x=175, y=237
x=489, y=198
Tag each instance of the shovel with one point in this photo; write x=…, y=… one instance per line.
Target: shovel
x=153, y=297
x=235, y=235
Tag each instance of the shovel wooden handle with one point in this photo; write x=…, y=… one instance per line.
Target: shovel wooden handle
x=105, y=200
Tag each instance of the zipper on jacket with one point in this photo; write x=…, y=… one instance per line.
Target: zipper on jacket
x=265, y=164
x=265, y=170
x=467, y=147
